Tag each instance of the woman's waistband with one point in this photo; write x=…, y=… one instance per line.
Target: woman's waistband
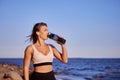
x=43, y=73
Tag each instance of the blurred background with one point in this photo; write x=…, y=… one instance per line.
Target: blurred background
x=91, y=27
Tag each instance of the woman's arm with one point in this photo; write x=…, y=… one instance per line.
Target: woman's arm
x=27, y=59
x=61, y=56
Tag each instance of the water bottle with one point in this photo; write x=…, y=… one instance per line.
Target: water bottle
x=56, y=38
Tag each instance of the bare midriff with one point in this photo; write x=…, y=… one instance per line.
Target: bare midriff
x=43, y=69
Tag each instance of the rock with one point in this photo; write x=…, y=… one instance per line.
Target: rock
x=1, y=76
x=5, y=76
x=99, y=76
x=57, y=73
x=14, y=75
x=12, y=72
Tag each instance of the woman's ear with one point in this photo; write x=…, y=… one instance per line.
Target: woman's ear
x=37, y=32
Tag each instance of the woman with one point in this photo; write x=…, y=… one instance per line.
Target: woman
x=41, y=54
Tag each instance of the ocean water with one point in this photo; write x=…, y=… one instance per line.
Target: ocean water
x=80, y=68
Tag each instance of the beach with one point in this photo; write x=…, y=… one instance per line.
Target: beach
x=75, y=69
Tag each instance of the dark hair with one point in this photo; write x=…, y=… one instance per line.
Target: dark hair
x=33, y=36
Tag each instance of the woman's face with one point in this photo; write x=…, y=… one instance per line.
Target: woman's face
x=43, y=33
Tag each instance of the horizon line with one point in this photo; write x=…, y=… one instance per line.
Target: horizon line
x=70, y=57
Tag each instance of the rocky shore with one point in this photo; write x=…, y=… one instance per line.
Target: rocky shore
x=11, y=72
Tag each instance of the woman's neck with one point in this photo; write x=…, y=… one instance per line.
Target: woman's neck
x=41, y=42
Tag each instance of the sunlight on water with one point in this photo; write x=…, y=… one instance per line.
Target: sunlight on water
x=81, y=69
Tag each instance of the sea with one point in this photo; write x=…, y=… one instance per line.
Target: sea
x=80, y=68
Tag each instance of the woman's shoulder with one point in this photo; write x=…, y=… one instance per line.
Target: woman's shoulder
x=51, y=45
x=29, y=48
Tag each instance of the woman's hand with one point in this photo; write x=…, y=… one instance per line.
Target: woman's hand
x=58, y=41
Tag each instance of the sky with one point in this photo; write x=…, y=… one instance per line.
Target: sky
x=90, y=27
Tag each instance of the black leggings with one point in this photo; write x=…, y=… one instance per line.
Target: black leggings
x=42, y=76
